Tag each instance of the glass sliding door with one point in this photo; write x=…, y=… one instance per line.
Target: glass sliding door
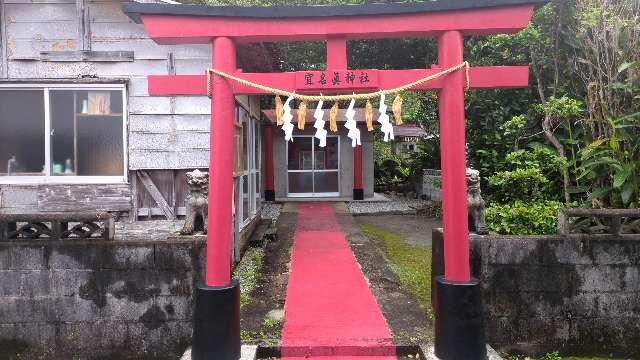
x=313, y=171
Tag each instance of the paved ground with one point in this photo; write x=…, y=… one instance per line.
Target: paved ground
x=407, y=321
x=330, y=312
x=416, y=229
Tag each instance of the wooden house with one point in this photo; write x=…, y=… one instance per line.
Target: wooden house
x=78, y=129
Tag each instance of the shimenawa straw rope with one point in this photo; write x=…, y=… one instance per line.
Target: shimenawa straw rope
x=344, y=97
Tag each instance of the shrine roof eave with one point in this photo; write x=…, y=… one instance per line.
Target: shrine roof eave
x=134, y=9
x=180, y=24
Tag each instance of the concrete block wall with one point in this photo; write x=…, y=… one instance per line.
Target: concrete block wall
x=431, y=185
x=573, y=294
x=97, y=299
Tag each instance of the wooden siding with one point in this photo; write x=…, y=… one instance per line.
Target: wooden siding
x=47, y=197
x=44, y=39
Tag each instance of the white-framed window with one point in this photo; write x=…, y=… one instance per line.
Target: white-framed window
x=249, y=197
x=63, y=133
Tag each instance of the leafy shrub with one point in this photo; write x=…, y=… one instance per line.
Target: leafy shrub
x=547, y=160
x=522, y=218
x=551, y=356
x=520, y=184
x=532, y=174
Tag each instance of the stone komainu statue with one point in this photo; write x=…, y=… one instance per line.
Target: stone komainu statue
x=475, y=203
x=196, y=203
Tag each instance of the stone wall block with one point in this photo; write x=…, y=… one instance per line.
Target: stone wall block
x=10, y=282
x=174, y=256
x=632, y=279
x=102, y=256
x=176, y=307
x=75, y=309
x=123, y=309
x=35, y=283
x=24, y=310
x=511, y=251
x=547, y=278
x=41, y=339
x=618, y=305
x=132, y=257
x=617, y=252
x=67, y=282
x=68, y=258
x=572, y=252
x=503, y=277
x=604, y=278
x=30, y=257
x=5, y=257
x=97, y=337
x=502, y=330
x=150, y=338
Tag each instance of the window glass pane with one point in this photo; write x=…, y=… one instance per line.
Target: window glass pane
x=244, y=116
x=326, y=181
x=327, y=157
x=300, y=154
x=245, y=198
x=22, y=132
x=300, y=182
x=86, y=133
x=257, y=144
x=258, y=191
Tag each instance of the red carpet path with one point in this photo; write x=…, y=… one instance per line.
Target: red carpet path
x=330, y=312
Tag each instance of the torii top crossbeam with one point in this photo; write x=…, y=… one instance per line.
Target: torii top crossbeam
x=447, y=20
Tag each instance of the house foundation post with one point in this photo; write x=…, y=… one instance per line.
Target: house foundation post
x=216, y=332
x=358, y=191
x=269, y=190
x=459, y=326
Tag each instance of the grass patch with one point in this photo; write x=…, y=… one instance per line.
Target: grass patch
x=412, y=263
x=248, y=271
x=555, y=356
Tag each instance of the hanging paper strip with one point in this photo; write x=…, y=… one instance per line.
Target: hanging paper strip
x=287, y=126
x=384, y=120
x=354, y=132
x=321, y=133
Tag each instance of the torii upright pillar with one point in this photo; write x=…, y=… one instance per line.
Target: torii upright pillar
x=216, y=333
x=458, y=307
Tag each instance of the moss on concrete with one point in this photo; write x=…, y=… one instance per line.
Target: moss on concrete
x=412, y=263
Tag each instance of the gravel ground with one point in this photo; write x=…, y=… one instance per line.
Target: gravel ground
x=395, y=205
x=271, y=210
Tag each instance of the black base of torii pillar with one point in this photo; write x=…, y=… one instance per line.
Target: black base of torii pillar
x=459, y=326
x=216, y=323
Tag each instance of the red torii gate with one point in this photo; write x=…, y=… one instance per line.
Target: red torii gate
x=224, y=27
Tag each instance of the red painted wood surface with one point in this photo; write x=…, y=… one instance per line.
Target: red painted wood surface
x=449, y=26
x=357, y=167
x=268, y=157
x=337, y=53
x=483, y=77
x=171, y=29
x=453, y=161
x=329, y=309
x=220, y=225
